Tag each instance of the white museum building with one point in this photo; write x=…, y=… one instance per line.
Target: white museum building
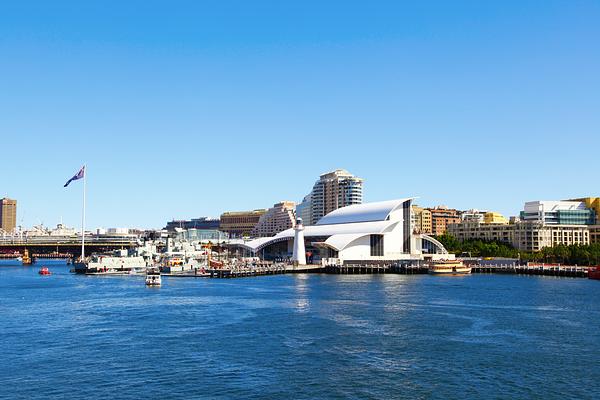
x=379, y=231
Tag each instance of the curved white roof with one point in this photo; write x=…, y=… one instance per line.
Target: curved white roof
x=377, y=211
x=343, y=225
x=339, y=242
x=345, y=230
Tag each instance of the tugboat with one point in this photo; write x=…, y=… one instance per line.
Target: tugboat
x=25, y=259
x=153, y=276
x=44, y=271
x=452, y=267
x=594, y=273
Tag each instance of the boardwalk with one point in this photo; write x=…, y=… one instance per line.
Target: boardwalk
x=572, y=271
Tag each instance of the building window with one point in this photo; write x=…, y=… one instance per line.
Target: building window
x=377, y=245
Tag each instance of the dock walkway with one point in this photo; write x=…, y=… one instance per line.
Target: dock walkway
x=572, y=271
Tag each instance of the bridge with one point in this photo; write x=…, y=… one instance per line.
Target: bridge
x=47, y=245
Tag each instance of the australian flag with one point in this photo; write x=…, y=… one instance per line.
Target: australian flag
x=77, y=176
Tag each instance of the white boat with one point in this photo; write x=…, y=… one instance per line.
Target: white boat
x=448, y=267
x=111, y=264
x=178, y=264
x=153, y=277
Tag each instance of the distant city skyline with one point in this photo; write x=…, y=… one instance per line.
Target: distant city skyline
x=194, y=109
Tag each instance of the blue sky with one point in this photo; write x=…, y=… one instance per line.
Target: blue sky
x=191, y=108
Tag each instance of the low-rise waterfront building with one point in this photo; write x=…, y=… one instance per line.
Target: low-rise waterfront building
x=535, y=235
x=240, y=223
x=542, y=224
x=473, y=230
x=380, y=231
x=278, y=218
x=201, y=235
x=594, y=234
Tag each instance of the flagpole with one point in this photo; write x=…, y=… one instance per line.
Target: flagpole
x=83, y=216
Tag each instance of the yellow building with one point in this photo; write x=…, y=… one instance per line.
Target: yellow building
x=494, y=218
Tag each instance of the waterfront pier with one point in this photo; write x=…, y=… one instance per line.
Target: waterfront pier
x=572, y=271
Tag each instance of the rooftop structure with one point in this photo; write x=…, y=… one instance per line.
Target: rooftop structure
x=492, y=217
x=592, y=203
x=558, y=213
x=194, y=223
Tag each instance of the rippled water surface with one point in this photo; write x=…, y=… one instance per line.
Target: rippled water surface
x=297, y=337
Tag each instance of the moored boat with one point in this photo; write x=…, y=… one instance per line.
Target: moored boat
x=594, y=273
x=448, y=267
x=153, y=276
x=116, y=263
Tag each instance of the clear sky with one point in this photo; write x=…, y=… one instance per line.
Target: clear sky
x=191, y=108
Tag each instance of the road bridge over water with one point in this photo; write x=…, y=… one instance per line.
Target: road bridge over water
x=65, y=245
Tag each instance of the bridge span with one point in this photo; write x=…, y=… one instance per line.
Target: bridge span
x=46, y=245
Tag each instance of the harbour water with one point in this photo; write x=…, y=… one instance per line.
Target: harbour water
x=302, y=336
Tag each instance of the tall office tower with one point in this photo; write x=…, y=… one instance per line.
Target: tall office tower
x=8, y=214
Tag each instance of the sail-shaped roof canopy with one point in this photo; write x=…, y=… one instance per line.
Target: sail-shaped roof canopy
x=367, y=212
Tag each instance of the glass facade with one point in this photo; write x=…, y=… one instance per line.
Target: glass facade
x=203, y=235
x=562, y=217
x=406, y=211
x=376, y=245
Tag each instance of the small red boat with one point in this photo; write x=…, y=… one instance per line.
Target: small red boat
x=44, y=271
x=594, y=273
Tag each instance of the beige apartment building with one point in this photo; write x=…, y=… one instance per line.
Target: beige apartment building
x=594, y=234
x=334, y=190
x=524, y=235
x=277, y=219
x=468, y=230
x=534, y=236
x=421, y=220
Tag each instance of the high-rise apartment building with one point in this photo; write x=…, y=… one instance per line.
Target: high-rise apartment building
x=304, y=211
x=334, y=190
x=277, y=219
x=8, y=214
